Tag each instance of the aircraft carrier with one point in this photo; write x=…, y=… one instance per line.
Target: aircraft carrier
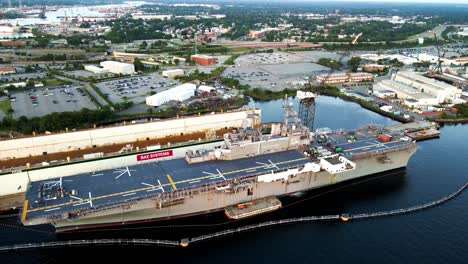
x=242, y=175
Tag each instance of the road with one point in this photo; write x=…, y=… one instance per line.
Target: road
x=437, y=30
x=86, y=86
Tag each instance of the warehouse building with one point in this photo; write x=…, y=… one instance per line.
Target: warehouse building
x=173, y=73
x=345, y=77
x=179, y=93
x=412, y=97
x=95, y=69
x=203, y=59
x=118, y=67
x=418, y=91
x=445, y=92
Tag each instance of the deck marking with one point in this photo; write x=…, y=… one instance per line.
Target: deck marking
x=168, y=184
x=220, y=174
x=52, y=209
x=160, y=185
x=123, y=172
x=96, y=175
x=81, y=204
x=172, y=182
x=147, y=184
x=251, y=170
x=273, y=165
x=192, y=182
x=25, y=210
x=128, y=194
x=209, y=173
x=77, y=198
x=53, y=198
x=90, y=199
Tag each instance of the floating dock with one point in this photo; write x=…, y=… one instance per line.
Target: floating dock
x=424, y=134
x=256, y=207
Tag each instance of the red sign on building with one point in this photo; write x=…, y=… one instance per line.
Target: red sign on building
x=154, y=155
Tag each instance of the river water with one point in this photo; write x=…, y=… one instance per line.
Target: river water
x=436, y=235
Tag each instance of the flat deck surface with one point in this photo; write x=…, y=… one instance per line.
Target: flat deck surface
x=369, y=144
x=117, y=185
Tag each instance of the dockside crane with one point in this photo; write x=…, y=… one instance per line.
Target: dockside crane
x=306, y=111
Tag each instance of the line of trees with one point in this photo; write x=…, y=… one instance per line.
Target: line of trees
x=57, y=121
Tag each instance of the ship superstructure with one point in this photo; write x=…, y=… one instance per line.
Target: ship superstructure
x=248, y=166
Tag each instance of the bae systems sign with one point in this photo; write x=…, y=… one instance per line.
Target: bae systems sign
x=154, y=155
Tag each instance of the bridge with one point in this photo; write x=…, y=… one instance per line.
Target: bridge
x=186, y=241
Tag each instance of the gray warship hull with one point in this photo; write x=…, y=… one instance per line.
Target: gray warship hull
x=212, y=199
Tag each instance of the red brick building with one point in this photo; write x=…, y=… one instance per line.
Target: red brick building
x=203, y=59
x=7, y=70
x=12, y=43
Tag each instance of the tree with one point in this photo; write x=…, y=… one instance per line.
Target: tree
x=139, y=66
x=354, y=63
x=143, y=45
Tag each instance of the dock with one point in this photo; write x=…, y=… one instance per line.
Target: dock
x=417, y=130
x=252, y=208
x=424, y=134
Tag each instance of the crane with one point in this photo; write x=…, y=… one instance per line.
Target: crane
x=306, y=111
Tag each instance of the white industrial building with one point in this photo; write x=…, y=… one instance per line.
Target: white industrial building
x=95, y=69
x=178, y=93
x=118, y=67
x=375, y=57
x=444, y=91
x=411, y=96
x=173, y=73
x=418, y=91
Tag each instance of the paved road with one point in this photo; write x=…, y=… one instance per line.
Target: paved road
x=85, y=86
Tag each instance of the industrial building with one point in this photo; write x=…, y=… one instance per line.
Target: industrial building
x=430, y=86
x=173, y=73
x=203, y=59
x=373, y=67
x=178, y=93
x=95, y=69
x=345, y=77
x=376, y=57
x=412, y=97
x=418, y=91
x=118, y=67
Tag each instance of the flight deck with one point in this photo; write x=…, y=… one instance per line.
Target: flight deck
x=107, y=187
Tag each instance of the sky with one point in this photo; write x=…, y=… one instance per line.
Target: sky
x=378, y=1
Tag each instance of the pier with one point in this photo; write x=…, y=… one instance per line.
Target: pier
x=186, y=241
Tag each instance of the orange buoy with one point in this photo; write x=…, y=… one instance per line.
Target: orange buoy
x=184, y=243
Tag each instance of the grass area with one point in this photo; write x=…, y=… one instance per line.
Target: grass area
x=265, y=95
x=54, y=82
x=98, y=91
x=240, y=50
x=5, y=107
x=92, y=98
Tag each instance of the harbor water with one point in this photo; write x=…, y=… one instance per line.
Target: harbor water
x=435, y=235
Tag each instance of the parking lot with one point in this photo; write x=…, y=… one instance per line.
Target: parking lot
x=40, y=102
x=275, y=77
x=268, y=58
x=87, y=74
x=22, y=76
x=136, y=88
